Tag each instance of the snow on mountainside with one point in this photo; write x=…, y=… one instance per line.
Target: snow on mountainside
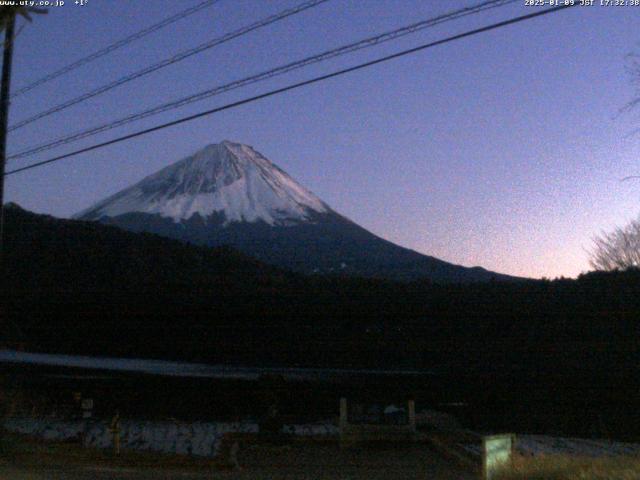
x=227, y=178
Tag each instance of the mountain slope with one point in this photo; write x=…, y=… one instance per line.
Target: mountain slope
x=229, y=194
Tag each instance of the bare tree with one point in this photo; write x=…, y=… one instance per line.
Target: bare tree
x=617, y=250
x=620, y=249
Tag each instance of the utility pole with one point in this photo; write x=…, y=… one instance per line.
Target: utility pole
x=8, y=16
x=7, y=58
x=8, y=22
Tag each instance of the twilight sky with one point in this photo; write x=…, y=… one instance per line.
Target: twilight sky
x=503, y=150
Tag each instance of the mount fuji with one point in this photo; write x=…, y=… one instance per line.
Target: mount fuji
x=230, y=194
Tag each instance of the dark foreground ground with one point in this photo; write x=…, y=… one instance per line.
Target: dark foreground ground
x=580, y=404
x=35, y=460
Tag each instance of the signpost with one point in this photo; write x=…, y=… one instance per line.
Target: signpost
x=114, y=428
x=497, y=454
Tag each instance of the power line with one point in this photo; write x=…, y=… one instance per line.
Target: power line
x=170, y=61
x=115, y=46
x=296, y=86
x=343, y=50
x=372, y=41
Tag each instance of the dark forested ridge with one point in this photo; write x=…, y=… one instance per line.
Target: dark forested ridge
x=325, y=244
x=86, y=288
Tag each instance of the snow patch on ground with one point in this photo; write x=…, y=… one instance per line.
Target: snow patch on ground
x=203, y=438
x=545, y=445
x=198, y=438
x=435, y=419
x=534, y=445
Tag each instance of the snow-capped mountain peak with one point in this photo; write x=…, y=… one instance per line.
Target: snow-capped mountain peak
x=229, y=194
x=226, y=178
